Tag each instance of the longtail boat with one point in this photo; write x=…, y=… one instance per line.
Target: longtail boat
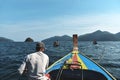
x=76, y=66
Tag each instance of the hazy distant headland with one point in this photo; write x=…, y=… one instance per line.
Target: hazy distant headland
x=100, y=36
x=2, y=39
x=97, y=35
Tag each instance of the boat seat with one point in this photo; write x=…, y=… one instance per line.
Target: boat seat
x=72, y=65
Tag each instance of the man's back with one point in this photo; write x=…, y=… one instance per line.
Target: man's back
x=36, y=63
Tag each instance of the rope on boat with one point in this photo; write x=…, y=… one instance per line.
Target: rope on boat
x=4, y=77
x=102, y=55
x=60, y=72
x=7, y=77
x=82, y=72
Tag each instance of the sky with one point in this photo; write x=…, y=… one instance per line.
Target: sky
x=41, y=19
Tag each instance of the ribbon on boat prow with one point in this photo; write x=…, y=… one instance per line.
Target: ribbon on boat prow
x=73, y=62
x=75, y=44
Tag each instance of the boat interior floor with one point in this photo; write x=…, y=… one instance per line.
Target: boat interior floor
x=76, y=74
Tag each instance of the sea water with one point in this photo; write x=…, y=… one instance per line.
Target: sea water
x=107, y=54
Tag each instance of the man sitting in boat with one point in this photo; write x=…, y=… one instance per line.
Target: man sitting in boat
x=35, y=64
x=56, y=43
x=94, y=42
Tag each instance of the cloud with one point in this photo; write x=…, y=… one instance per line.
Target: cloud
x=61, y=25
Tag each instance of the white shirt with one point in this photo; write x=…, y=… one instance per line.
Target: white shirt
x=35, y=64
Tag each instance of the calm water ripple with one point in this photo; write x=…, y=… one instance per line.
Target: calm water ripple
x=107, y=54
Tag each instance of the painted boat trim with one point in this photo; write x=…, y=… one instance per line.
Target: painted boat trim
x=85, y=61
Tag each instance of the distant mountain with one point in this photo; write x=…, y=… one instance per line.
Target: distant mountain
x=2, y=39
x=117, y=35
x=99, y=36
x=59, y=38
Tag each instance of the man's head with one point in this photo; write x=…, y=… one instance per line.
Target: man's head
x=40, y=46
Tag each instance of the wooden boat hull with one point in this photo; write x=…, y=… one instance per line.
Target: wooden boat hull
x=85, y=68
x=76, y=66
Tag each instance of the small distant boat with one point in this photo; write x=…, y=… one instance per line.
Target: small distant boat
x=77, y=66
x=56, y=43
x=94, y=42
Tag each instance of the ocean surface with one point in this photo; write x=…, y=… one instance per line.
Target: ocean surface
x=107, y=54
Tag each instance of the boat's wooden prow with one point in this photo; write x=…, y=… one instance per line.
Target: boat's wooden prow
x=75, y=42
x=76, y=66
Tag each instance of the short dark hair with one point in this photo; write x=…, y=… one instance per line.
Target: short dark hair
x=40, y=45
